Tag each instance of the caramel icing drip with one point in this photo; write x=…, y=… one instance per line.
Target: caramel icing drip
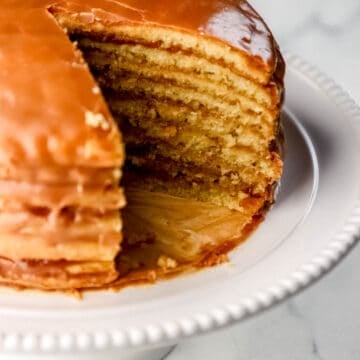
x=56, y=275
x=48, y=98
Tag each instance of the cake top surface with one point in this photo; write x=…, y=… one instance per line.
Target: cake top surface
x=233, y=21
x=52, y=111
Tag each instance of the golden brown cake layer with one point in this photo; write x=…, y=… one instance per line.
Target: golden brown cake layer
x=56, y=275
x=13, y=195
x=169, y=115
x=124, y=56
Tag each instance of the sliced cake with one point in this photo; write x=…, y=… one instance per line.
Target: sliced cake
x=192, y=89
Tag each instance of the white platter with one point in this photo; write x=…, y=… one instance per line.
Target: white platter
x=314, y=223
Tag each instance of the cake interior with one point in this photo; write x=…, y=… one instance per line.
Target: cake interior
x=199, y=132
x=181, y=128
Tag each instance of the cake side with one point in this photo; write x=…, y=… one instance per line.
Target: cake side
x=60, y=159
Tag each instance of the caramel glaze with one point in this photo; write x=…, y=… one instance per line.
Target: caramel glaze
x=45, y=92
x=46, y=88
x=232, y=21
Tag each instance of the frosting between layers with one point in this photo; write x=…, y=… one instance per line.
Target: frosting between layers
x=45, y=93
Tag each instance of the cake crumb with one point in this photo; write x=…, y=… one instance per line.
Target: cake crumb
x=166, y=262
x=96, y=120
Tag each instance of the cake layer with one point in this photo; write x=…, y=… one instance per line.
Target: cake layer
x=200, y=149
x=56, y=275
x=141, y=86
x=198, y=176
x=176, y=76
x=144, y=112
x=14, y=195
x=57, y=175
x=54, y=222
x=167, y=134
x=226, y=191
x=69, y=222
x=241, y=179
x=200, y=157
x=133, y=57
x=99, y=245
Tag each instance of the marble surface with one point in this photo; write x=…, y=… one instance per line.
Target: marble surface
x=323, y=322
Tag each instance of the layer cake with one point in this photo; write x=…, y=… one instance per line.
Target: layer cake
x=192, y=89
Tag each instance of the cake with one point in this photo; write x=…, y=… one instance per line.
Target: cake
x=192, y=89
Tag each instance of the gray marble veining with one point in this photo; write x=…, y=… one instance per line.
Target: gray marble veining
x=322, y=323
